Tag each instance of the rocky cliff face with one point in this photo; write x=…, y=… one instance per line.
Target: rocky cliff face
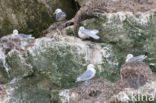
x=43, y=70
x=30, y=16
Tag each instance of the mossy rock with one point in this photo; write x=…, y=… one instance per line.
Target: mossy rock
x=60, y=63
x=128, y=33
x=29, y=95
x=3, y=74
x=18, y=65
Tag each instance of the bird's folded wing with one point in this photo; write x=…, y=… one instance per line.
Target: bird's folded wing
x=25, y=35
x=91, y=33
x=138, y=58
x=86, y=75
x=60, y=14
x=95, y=31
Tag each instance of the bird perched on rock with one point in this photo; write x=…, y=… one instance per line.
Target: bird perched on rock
x=131, y=58
x=88, y=74
x=87, y=33
x=60, y=15
x=16, y=33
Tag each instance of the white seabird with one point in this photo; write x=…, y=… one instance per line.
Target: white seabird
x=87, y=33
x=131, y=58
x=16, y=33
x=60, y=15
x=88, y=74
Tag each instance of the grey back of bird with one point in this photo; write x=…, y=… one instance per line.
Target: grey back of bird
x=91, y=33
x=86, y=75
x=138, y=58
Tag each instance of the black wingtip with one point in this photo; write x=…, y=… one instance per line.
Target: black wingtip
x=74, y=81
x=146, y=53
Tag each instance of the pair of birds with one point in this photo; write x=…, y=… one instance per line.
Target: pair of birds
x=90, y=72
x=82, y=33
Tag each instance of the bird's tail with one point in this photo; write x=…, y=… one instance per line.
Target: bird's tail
x=96, y=37
x=95, y=31
x=93, y=35
x=74, y=81
x=77, y=80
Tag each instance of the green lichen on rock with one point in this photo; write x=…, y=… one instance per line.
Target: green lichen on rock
x=19, y=67
x=3, y=74
x=152, y=59
x=29, y=95
x=124, y=29
x=60, y=63
x=154, y=44
x=128, y=33
x=112, y=60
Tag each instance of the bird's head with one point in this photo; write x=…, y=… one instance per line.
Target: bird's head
x=129, y=56
x=15, y=32
x=81, y=28
x=90, y=66
x=57, y=11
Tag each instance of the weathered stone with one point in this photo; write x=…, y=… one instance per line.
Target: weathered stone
x=54, y=64
x=19, y=67
x=129, y=33
x=3, y=74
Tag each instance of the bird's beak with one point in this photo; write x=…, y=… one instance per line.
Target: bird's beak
x=54, y=13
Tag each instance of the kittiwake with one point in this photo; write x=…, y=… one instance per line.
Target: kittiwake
x=60, y=15
x=130, y=58
x=88, y=74
x=16, y=33
x=87, y=33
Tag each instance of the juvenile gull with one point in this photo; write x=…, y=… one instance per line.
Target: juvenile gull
x=87, y=33
x=60, y=15
x=88, y=74
x=131, y=58
x=16, y=33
